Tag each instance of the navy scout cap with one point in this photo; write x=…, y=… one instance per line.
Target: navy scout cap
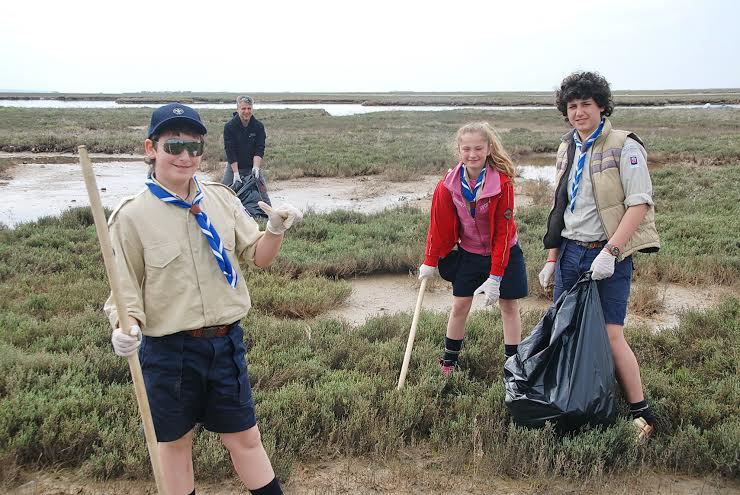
x=172, y=112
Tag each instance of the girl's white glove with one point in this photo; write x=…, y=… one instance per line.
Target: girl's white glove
x=126, y=345
x=491, y=288
x=426, y=271
x=281, y=218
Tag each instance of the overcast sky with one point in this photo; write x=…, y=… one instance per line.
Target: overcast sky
x=380, y=45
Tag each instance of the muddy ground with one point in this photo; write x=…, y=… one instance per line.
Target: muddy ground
x=388, y=294
x=416, y=472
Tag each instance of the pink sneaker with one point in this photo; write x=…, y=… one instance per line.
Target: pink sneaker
x=446, y=369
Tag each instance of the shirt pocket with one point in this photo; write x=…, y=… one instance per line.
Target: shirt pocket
x=165, y=277
x=162, y=255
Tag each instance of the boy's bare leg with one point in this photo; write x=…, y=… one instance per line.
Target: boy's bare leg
x=249, y=457
x=176, y=459
x=625, y=363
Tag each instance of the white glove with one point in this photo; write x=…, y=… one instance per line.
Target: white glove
x=426, y=271
x=547, y=275
x=281, y=218
x=126, y=345
x=490, y=288
x=237, y=178
x=256, y=172
x=602, y=266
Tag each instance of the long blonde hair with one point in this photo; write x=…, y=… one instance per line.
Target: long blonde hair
x=498, y=157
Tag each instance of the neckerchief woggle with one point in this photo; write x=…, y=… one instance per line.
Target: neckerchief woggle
x=468, y=193
x=583, y=150
x=208, y=230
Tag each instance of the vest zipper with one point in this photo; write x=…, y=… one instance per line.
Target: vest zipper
x=593, y=190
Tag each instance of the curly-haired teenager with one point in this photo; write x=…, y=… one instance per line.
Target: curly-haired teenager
x=602, y=213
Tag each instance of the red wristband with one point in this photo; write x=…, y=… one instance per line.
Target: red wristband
x=552, y=261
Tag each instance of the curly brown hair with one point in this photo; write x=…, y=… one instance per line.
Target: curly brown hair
x=581, y=86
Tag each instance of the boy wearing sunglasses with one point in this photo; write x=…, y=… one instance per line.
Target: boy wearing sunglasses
x=178, y=245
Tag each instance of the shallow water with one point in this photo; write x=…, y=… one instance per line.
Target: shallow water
x=334, y=109
x=38, y=190
x=35, y=190
x=537, y=172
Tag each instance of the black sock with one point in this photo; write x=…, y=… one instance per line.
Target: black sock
x=272, y=488
x=510, y=349
x=452, y=350
x=642, y=410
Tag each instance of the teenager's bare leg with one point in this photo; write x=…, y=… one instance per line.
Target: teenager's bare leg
x=249, y=457
x=512, y=320
x=176, y=459
x=625, y=362
x=458, y=315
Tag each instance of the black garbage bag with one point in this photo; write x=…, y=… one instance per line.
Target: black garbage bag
x=563, y=371
x=250, y=191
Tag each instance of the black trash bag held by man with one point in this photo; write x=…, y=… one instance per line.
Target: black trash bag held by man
x=563, y=371
x=250, y=191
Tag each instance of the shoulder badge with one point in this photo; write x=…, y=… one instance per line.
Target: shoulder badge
x=508, y=214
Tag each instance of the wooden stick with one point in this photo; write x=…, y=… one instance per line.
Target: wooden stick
x=101, y=226
x=412, y=335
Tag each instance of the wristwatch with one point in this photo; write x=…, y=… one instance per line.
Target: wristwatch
x=614, y=251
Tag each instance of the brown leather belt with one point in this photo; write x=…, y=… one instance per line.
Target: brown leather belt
x=209, y=332
x=590, y=245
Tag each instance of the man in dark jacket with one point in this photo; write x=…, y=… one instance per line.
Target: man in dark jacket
x=244, y=143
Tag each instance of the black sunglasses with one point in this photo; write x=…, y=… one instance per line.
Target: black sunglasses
x=176, y=146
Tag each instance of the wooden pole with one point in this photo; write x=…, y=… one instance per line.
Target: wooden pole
x=412, y=335
x=101, y=226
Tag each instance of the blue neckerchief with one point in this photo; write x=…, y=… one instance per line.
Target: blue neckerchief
x=470, y=194
x=209, y=231
x=583, y=150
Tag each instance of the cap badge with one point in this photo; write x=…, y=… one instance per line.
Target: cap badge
x=178, y=111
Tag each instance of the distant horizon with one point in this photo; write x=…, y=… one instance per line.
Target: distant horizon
x=411, y=91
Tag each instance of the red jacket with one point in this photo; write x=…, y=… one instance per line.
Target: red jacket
x=444, y=223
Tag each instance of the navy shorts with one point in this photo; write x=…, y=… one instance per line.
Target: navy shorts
x=192, y=380
x=575, y=260
x=473, y=269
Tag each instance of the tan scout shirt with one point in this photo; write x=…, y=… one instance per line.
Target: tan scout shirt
x=171, y=281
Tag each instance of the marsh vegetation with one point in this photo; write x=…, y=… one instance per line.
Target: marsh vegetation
x=326, y=389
